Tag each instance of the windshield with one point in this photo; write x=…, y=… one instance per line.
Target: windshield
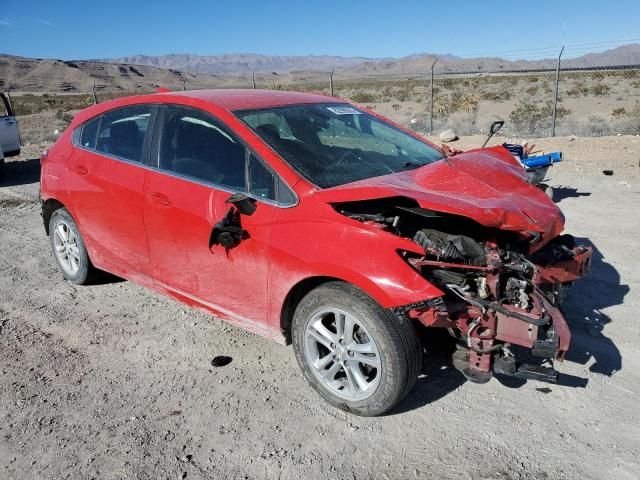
x=333, y=144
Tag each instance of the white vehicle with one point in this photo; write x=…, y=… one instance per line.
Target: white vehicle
x=9, y=133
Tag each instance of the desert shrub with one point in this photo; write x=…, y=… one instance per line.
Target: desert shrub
x=633, y=119
x=497, y=96
x=578, y=89
x=276, y=86
x=396, y=106
x=467, y=102
x=530, y=117
x=619, y=112
x=403, y=94
x=600, y=89
x=64, y=116
x=20, y=108
x=533, y=79
x=596, y=126
x=455, y=102
x=363, y=97
x=532, y=91
x=463, y=123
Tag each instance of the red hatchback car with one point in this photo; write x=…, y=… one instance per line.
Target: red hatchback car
x=315, y=222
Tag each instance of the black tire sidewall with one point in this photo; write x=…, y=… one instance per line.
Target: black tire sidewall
x=81, y=276
x=380, y=325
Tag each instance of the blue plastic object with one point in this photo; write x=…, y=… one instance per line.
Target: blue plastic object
x=542, y=160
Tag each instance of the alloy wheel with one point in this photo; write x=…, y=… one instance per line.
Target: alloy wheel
x=66, y=247
x=342, y=354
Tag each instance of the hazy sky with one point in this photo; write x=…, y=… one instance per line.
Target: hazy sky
x=71, y=29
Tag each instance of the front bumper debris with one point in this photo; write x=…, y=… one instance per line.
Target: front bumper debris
x=510, y=338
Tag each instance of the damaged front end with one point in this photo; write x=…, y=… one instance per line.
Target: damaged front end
x=501, y=289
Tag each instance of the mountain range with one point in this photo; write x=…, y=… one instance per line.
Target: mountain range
x=175, y=71
x=232, y=64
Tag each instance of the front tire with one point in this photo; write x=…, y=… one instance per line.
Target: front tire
x=358, y=356
x=68, y=248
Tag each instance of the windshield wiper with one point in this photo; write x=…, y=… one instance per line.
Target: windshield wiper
x=410, y=163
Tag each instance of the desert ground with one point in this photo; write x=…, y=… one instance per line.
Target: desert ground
x=112, y=381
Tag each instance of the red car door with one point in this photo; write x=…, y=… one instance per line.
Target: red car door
x=200, y=165
x=106, y=179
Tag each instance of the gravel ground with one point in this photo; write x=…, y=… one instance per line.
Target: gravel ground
x=113, y=381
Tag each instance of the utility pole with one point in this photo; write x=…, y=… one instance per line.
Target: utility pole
x=431, y=99
x=253, y=78
x=555, y=95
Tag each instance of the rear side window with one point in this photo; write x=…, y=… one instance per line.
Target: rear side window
x=89, y=133
x=195, y=145
x=122, y=132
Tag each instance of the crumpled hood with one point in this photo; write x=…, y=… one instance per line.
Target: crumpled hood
x=486, y=185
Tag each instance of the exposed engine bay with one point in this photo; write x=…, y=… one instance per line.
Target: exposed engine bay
x=501, y=289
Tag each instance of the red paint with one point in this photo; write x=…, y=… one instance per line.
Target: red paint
x=154, y=228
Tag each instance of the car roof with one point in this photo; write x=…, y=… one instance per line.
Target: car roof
x=247, y=99
x=224, y=99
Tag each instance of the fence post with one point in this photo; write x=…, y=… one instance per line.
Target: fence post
x=184, y=85
x=253, y=78
x=555, y=95
x=331, y=80
x=431, y=99
x=9, y=95
x=93, y=90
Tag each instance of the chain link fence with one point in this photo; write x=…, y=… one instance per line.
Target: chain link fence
x=587, y=102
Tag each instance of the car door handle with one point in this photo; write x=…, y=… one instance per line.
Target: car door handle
x=81, y=169
x=159, y=198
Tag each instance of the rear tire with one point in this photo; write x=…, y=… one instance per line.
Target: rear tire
x=68, y=248
x=358, y=356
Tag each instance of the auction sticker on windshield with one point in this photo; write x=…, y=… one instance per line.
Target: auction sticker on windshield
x=344, y=110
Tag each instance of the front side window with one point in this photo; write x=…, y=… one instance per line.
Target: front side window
x=334, y=144
x=265, y=184
x=194, y=145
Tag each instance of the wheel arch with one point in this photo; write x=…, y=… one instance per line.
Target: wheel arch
x=292, y=299
x=49, y=206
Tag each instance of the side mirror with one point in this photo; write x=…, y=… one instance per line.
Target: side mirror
x=228, y=232
x=245, y=205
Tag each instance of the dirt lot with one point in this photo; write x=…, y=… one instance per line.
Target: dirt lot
x=113, y=381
